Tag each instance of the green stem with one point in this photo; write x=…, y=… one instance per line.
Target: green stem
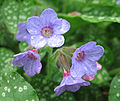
x=115, y=71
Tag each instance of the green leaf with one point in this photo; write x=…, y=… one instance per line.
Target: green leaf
x=45, y=90
x=12, y=84
x=114, y=93
x=2, y=36
x=6, y=59
x=115, y=47
x=101, y=76
x=6, y=37
x=14, y=13
x=107, y=58
x=15, y=88
x=95, y=14
x=101, y=13
x=97, y=2
x=43, y=4
x=90, y=93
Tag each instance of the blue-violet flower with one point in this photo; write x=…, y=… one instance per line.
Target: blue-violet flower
x=70, y=84
x=30, y=60
x=47, y=29
x=84, y=59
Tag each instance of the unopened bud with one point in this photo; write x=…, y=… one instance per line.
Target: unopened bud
x=64, y=62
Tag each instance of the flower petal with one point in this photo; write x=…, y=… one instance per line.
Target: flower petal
x=88, y=46
x=70, y=84
x=56, y=41
x=34, y=25
x=90, y=78
x=19, y=60
x=77, y=70
x=99, y=66
x=61, y=26
x=32, y=66
x=22, y=34
x=38, y=41
x=89, y=66
x=48, y=17
x=59, y=90
x=94, y=53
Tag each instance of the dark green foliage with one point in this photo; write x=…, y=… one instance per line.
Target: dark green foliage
x=114, y=94
x=99, y=21
x=45, y=89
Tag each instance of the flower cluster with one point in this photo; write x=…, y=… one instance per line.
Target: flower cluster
x=38, y=32
x=84, y=66
x=47, y=30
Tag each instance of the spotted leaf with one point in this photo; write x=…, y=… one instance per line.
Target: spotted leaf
x=15, y=88
x=114, y=93
x=14, y=13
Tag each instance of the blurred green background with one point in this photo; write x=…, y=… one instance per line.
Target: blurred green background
x=97, y=20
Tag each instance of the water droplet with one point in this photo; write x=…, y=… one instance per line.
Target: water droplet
x=3, y=94
x=117, y=94
x=20, y=89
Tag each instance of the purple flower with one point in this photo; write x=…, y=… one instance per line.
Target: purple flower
x=90, y=78
x=23, y=34
x=84, y=59
x=118, y=2
x=70, y=84
x=47, y=29
x=30, y=60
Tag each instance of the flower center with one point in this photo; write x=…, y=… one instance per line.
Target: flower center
x=47, y=31
x=35, y=51
x=80, y=55
x=31, y=56
x=66, y=74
